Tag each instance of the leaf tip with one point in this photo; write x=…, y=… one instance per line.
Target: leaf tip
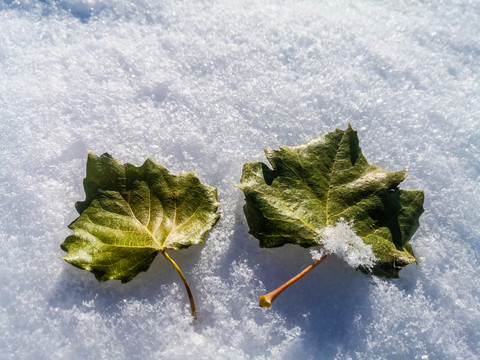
x=268, y=152
x=91, y=155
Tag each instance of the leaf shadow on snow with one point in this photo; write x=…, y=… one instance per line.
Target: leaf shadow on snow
x=325, y=304
x=79, y=288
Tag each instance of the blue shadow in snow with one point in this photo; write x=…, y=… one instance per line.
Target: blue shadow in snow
x=324, y=304
x=82, y=10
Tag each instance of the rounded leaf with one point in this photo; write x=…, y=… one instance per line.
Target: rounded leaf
x=131, y=213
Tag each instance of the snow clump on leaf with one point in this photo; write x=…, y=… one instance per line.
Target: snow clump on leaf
x=343, y=241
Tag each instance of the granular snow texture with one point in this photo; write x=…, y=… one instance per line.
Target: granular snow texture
x=205, y=87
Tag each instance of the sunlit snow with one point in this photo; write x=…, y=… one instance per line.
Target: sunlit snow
x=205, y=87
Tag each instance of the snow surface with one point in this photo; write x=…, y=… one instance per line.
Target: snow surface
x=206, y=86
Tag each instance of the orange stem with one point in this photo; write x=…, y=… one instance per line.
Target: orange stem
x=267, y=300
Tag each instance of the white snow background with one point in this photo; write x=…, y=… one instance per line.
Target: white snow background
x=205, y=87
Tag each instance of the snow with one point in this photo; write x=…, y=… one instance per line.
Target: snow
x=205, y=87
x=342, y=240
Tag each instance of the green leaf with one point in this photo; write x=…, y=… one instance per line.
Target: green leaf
x=131, y=213
x=317, y=184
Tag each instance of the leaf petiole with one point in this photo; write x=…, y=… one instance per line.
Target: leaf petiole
x=190, y=296
x=267, y=300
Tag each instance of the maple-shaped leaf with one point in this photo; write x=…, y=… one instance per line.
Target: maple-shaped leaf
x=131, y=214
x=315, y=185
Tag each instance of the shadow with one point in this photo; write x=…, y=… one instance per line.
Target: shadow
x=79, y=288
x=324, y=304
x=81, y=10
x=155, y=92
x=387, y=215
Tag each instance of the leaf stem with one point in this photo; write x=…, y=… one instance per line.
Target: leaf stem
x=267, y=300
x=190, y=296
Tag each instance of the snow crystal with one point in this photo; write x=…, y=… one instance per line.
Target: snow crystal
x=342, y=240
x=316, y=254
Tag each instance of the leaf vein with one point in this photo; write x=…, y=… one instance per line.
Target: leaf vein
x=327, y=198
x=288, y=208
